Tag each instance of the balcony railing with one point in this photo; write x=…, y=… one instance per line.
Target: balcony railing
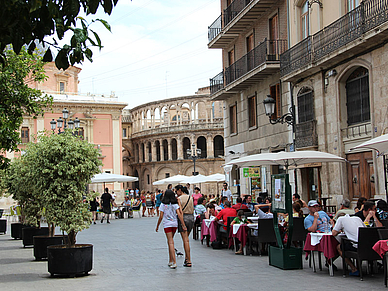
x=233, y=9
x=214, y=29
x=306, y=134
x=217, y=83
x=268, y=50
x=368, y=15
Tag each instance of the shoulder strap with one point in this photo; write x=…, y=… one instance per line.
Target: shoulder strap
x=187, y=202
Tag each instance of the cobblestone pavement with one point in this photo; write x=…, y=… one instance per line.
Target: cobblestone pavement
x=130, y=255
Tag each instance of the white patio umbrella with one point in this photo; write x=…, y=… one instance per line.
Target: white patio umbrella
x=111, y=178
x=379, y=144
x=193, y=179
x=213, y=178
x=286, y=159
x=170, y=180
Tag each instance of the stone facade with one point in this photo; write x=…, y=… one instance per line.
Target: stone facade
x=156, y=137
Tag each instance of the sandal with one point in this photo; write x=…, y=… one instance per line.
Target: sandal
x=187, y=264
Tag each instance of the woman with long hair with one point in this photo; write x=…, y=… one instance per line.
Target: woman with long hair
x=187, y=206
x=169, y=210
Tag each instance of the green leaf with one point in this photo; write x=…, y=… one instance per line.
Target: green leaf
x=108, y=6
x=48, y=56
x=93, y=6
x=97, y=38
x=31, y=47
x=89, y=54
x=61, y=61
x=105, y=23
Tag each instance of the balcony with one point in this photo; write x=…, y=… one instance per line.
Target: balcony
x=306, y=134
x=356, y=32
x=253, y=67
x=235, y=19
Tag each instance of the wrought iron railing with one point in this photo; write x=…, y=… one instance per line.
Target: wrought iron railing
x=268, y=50
x=217, y=83
x=214, y=29
x=233, y=9
x=306, y=134
x=368, y=15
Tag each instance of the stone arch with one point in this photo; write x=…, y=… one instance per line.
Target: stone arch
x=305, y=104
x=201, y=144
x=189, y=169
x=185, y=146
x=142, y=150
x=160, y=173
x=174, y=149
x=218, y=143
x=149, y=152
x=157, y=150
x=165, y=150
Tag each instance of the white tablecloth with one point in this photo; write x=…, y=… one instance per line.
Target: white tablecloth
x=316, y=237
x=209, y=221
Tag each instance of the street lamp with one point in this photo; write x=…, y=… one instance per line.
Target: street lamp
x=63, y=122
x=269, y=106
x=194, y=154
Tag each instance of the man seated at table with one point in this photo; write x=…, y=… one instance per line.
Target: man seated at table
x=248, y=202
x=224, y=214
x=349, y=225
x=368, y=214
x=127, y=208
x=239, y=204
x=345, y=209
x=137, y=204
x=316, y=221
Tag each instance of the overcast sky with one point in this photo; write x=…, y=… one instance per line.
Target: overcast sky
x=157, y=50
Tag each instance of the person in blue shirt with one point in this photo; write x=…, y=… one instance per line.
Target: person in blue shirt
x=316, y=221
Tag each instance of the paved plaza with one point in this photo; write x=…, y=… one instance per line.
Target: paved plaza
x=130, y=255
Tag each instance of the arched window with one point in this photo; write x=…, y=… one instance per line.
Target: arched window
x=305, y=105
x=357, y=97
x=218, y=146
x=304, y=20
x=201, y=144
x=174, y=149
x=165, y=150
x=157, y=145
x=186, y=145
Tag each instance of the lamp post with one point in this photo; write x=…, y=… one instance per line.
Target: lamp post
x=63, y=122
x=194, y=154
x=269, y=106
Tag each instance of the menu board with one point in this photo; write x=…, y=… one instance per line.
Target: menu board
x=278, y=192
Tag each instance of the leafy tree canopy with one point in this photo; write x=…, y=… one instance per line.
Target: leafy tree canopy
x=23, y=22
x=17, y=99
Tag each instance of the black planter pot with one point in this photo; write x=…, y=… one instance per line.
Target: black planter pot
x=16, y=230
x=3, y=225
x=42, y=242
x=30, y=232
x=70, y=261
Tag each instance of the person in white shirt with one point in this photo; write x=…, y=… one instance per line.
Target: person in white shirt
x=226, y=192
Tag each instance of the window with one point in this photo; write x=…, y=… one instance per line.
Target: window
x=252, y=111
x=357, y=97
x=62, y=87
x=25, y=134
x=231, y=57
x=148, y=179
x=351, y=4
x=81, y=132
x=304, y=20
x=305, y=105
x=275, y=94
x=233, y=119
x=249, y=43
x=167, y=175
x=124, y=132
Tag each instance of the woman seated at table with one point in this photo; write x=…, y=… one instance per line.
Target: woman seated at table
x=200, y=207
x=210, y=211
x=240, y=220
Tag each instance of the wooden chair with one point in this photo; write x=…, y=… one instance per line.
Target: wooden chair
x=197, y=226
x=367, y=237
x=226, y=235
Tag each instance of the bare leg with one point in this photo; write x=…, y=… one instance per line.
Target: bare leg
x=144, y=210
x=349, y=262
x=157, y=211
x=171, y=247
x=186, y=245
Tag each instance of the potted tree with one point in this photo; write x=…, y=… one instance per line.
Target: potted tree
x=19, y=185
x=61, y=166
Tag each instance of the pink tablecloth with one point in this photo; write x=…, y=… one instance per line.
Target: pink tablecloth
x=241, y=235
x=212, y=230
x=327, y=245
x=381, y=247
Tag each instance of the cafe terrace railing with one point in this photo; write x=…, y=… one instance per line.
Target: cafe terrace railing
x=268, y=50
x=214, y=29
x=368, y=15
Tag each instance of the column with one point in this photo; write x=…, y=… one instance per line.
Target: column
x=161, y=150
x=153, y=151
x=117, y=147
x=210, y=146
x=169, y=150
x=140, y=153
x=179, y=147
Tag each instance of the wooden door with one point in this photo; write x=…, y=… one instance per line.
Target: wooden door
x=361, y=175
x=273, y=35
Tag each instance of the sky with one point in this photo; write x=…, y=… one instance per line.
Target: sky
x=157, y=50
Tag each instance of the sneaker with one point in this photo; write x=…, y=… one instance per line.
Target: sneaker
x=356, y=273
x=173, y=266
x=170, y=264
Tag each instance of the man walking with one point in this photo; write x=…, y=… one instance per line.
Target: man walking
x=226, y=192
x=106, y=200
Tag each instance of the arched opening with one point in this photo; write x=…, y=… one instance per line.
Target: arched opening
x=201, y=144
x=218, y=143
x=149, y=151
x=157, y=146
x=305, y=101
x=142, y=153
x=185, y=145
x=137, y=153
x=165, y=150
x=136, y=174
x=174, y=149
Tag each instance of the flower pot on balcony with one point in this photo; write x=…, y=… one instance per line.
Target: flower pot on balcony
x=42, y=242
x=3, y=225
x=63, y=260
x=28, y=234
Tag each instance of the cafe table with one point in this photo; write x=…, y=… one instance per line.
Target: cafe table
x=240, y=232
x=325, y=243
x=209, y=227
x=381, y=247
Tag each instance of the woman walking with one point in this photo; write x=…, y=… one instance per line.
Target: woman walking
x=169, y=209
x=187, y=205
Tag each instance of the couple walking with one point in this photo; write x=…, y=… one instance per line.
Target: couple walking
x=177, y=213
